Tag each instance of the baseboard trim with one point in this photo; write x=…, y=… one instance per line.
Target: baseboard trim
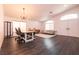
x=68, y=36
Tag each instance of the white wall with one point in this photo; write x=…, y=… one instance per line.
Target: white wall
x=33, y=24
x=1, y=25
x=60, y=26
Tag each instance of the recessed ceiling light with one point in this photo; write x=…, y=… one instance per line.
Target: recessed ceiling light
x=66, y=5
x=50, y=12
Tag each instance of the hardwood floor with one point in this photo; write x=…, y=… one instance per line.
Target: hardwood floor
x=58, y=45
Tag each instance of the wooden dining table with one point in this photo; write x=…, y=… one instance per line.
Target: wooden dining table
x=26, y=36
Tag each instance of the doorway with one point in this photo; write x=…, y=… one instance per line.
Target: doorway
x=7, y=29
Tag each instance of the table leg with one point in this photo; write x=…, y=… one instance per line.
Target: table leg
x=32, y=35
x=25, y=37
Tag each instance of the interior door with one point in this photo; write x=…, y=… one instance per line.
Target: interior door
x=63, y=28
x=73, y=27
x=7, y=29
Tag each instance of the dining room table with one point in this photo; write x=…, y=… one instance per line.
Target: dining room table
x=26, y=36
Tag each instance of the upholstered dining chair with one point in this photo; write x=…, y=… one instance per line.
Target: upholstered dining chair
x=20, y=35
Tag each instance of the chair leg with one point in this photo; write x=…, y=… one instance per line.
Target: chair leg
x=16, y=38
x=23, y=41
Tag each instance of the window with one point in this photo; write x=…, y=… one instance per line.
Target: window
x=69, y=16
x=49, y=25
x=21, y=25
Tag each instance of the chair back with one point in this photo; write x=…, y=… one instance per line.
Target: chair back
x=17, y=31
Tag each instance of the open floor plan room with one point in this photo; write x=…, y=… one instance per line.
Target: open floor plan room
x=39, y=29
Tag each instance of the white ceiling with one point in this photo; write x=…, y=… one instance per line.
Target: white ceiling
x=34, y=11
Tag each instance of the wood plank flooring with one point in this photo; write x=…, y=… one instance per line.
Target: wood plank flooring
x=58, y=45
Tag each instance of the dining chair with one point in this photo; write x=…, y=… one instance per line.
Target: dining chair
x=20, y=36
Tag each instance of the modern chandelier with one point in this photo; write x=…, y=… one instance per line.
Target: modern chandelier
x=23, y=15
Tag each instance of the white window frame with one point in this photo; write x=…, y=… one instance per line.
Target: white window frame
x=49, y=25
x=69, y=16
